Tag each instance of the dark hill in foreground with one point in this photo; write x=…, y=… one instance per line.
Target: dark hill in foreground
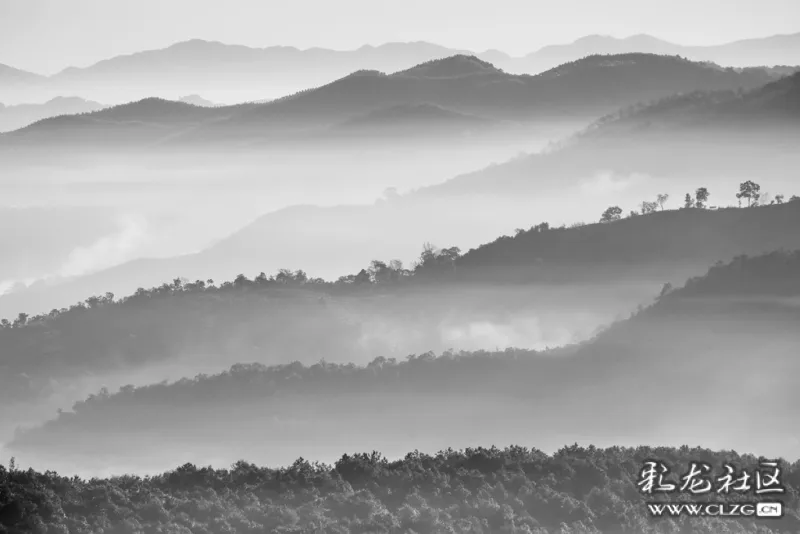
x=477, y=490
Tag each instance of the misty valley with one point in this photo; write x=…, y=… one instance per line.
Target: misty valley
x=399, y=289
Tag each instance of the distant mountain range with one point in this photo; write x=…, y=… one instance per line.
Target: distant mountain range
x=21, y=115
x=444, y=91
x=743, y=135
x=235, y=73
x=768, y=51
x=197, y=100
x=16, y=78
x=717, y=133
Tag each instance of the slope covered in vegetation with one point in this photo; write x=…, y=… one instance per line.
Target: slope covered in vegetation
x=290, y=316
x=731, y=351
x=479, y=490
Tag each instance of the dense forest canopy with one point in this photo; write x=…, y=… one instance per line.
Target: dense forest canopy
x=577, y=490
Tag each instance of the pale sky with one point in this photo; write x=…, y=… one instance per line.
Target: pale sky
x=45, y=36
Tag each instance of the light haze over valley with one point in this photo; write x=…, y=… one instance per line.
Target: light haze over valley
x=226, y=240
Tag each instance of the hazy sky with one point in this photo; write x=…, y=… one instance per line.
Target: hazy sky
x=47, y=35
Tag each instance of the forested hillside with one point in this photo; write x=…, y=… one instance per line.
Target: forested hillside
x=738, y=342
x=661, y=238
x=516, y=490
x=290, y=316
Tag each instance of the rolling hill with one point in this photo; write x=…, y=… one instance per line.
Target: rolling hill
x=714, y=139
x=234, y=73
x=11, y=77
x=705, y=134
x=16, y=117
x=221, y=72
x=143, y=123
x=197, y=100
x=550, y=271
x=419, y=120
x=578, y=92
x=726, y=340
x=770, y=51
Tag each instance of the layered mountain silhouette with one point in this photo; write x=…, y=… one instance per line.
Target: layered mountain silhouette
x=770, y=51
x=413, y=120
x=197, y=100
x=696, y=340
x=144, y=122
x=732, y=133
x=660, y=139
x=11, y=78
x=235, y=73
x=580, y=91
x=21, y=115
x=223, y=72
x=663, y=246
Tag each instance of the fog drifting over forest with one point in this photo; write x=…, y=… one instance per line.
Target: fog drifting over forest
x=405, y=247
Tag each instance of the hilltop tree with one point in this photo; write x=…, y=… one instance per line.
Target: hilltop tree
x=435, y=261
x=751, y=191
x=701, y=197
x=613, y=213
x=362, y=277
x=21, y=320
x=648, y=207
x=779, y=199
x=688, y=202
x=662, y=199
x=794, y=198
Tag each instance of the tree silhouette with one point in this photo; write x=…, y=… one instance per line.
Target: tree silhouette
x=688, y=202
x=648, y=207
x=751, y=191
x=613, y=213
x=701, y=196
x=662, y=199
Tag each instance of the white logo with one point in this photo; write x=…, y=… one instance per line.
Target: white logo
x=769, y=509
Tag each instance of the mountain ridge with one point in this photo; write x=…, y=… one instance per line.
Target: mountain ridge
x=580, y=90
x=284, y=61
